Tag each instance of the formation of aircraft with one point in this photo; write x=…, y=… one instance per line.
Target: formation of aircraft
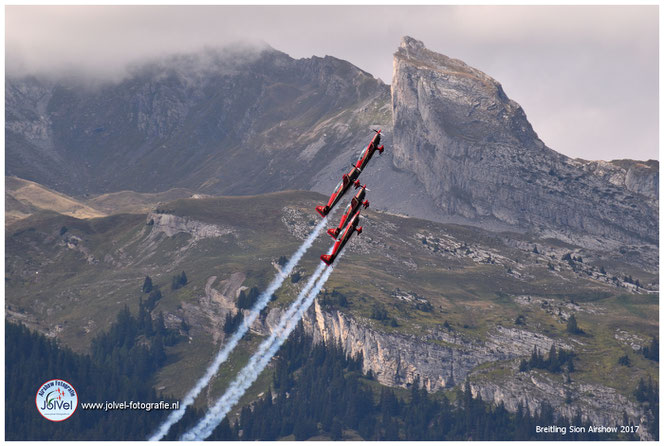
x=351, y=228
x=351, y=210
x=340, y=189
x=348, y=224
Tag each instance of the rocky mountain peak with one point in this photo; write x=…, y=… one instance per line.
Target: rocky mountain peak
x=408, y=43
x=473, y=103
x=416, y=52
x=479, y=159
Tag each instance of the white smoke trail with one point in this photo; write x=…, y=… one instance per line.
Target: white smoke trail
x=259, y=361
x=228, y=347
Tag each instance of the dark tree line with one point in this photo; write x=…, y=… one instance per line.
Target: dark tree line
x=232, y=322
x=651, y=351
x=647, y=392
x=318, y=390
x=630, y=279
x=247, y=300
x=178, y=281
x=379, y=313
x=556, y=362
x=333, y=299
x=32, y=359
x=120, y=350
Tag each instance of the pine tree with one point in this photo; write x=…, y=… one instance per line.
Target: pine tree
x=242, y=301
x=572, y=326
x=652, y=351
x=147, y=285
x=178, y=281
x=335, y=432
x=224, y=432
x=160, y=327
x=553, y=363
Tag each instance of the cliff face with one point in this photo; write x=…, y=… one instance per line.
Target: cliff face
x=636, y=176
x=478, y=158
x=598, y=405
x=442, y=359
x=438, y=359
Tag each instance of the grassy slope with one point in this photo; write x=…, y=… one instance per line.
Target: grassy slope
x=134, y=202
x=23, y=197
x=75, y=294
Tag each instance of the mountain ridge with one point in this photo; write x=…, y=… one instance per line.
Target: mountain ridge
x=476, y=155
x=229, y=123
x=178, y=128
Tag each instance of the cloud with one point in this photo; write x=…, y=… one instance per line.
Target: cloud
x=558, y=62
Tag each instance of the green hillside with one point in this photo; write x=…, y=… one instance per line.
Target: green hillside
x=69, y=277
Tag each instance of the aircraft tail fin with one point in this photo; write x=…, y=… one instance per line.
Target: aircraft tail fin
x=327, y=259
x=333, y=232
x=322, y=210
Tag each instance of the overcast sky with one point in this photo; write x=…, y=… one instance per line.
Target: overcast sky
x=587, y=77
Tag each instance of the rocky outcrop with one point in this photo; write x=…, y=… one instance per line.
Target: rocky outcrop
x=636, y=176
x=478, y=158
x=441, y=359
x=170, y=225
x=217, y=303
x=643, y=178
x=597, y=405
x=438, y=359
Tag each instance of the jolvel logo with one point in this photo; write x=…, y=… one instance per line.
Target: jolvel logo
x=56, y=400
